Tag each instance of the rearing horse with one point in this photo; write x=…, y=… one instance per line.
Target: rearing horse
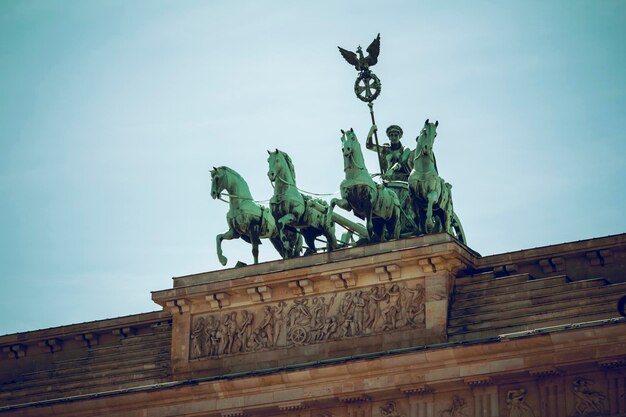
x=290, y=208
x=378, y=205
x=430, y=191
x=246, y=219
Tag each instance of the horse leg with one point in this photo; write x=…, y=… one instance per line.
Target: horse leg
x=281, y=223
x=331, y=239
x=229, y=235
x=309, y=239
x=285, y=220
x=341, y=202
x=371, y=233
x=255, y=248
x=449, y=212
x=430, y=222
x=395, y=223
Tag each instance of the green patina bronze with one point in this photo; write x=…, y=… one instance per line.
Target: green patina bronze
x=396, y=163
x=397, y=159
x=246, y=219
x=378, y=205
x=291, y=209
x=411, y=200
x=367, y=85
x=432, y=195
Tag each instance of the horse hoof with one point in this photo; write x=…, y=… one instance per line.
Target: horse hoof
x=223, y=260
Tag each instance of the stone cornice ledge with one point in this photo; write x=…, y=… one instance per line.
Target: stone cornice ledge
x=430, y=253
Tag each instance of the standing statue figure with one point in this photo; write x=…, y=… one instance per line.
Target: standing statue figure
x=397, y=159
x=378, y=205
x=246, y=219
x=396, y=164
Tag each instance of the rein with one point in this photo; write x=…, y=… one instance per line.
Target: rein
x=230, y=196
x=351, y=158
x=278, y=177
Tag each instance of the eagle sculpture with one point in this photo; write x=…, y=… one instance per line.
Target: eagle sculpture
x=360, y=62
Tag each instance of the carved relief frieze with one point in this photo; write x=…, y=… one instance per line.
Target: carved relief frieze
x=307, y=320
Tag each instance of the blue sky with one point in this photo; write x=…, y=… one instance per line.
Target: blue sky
x=113, y=112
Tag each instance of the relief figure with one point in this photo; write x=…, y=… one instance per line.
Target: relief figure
x=245, y=332
x=279, y=317
x=320, y=309
x=347, y=328
x=588, y=402
x=411, y=305
x=373, y=317
x=299, y=314
x=329, y=329
x=213, y=336
x=359, y=312
x=389, y=410
x=455, y=409
x=267, y=325
x=347, y=306
x=197, y=339
x=229, y=327
x=516, y=403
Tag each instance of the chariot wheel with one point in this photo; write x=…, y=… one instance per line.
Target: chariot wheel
x=367, y=86
x=298, y=335
x=457, y=229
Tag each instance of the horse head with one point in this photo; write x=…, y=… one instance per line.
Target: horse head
x=426, y=138
x=216, y=182
x=349, y=142
x=272, y=161
x=279, y=163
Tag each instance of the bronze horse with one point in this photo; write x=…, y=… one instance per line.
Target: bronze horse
x=290, y=208
x=246, y=219
x=378, y=205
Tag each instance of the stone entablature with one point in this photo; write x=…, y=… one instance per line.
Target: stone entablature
x=359, y=300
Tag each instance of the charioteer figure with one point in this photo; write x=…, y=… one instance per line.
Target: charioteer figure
x=397, y=160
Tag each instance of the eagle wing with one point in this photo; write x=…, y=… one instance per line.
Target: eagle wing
x=349, y=56
x=373, y=50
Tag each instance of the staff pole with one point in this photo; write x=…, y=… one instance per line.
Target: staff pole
x=380, y=158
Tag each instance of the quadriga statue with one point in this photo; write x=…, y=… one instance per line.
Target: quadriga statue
x=246, y=219
x=378, y=205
